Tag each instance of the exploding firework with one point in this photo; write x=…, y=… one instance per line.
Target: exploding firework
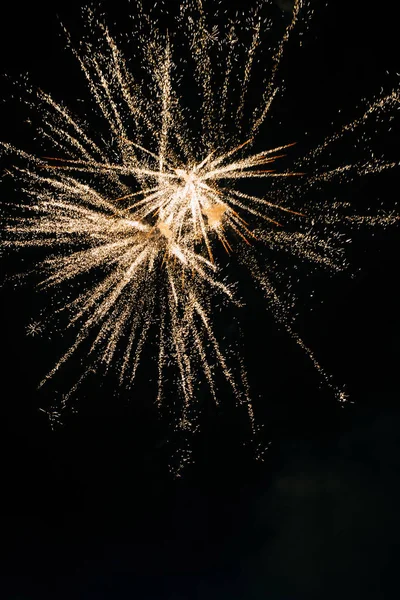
x=137, y=218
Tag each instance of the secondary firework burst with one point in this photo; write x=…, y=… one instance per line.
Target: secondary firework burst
x=135, y=217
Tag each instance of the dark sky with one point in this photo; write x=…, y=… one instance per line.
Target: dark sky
x=91, y=511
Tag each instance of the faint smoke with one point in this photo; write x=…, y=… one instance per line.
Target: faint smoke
x=286, y=5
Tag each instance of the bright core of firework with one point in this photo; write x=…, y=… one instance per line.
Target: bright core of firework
x=134, y=216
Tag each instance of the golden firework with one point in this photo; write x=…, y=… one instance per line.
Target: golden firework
x=138, y=212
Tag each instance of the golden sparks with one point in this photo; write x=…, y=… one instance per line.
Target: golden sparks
x=136, y=217
x=34, y=328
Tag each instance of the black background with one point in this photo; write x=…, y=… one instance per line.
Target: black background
x=91, y=511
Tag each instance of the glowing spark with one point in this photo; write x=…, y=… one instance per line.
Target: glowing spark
x=34, y=328
x=214, y=214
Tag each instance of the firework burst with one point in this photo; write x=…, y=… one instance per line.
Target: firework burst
x=135, y=218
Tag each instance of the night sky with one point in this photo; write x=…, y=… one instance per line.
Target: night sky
x=90, y=510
